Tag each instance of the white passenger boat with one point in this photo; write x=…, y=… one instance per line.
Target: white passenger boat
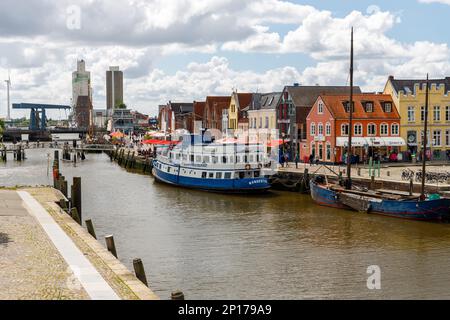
x=236, y=168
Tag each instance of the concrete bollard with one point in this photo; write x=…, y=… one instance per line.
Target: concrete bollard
x=411, y=187
x=177, y=295
x=90, y=228
x=110, y=245
x=139, y=271
x=372, y=182
x=359, y=171
x=388, y=173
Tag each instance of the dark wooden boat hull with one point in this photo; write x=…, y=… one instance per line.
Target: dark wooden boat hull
x=428, y=210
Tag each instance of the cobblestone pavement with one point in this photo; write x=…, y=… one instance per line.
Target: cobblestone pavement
x=30, y=266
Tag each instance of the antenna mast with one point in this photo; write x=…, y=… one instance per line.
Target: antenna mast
x=350, y=124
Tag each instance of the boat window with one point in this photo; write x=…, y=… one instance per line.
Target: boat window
x=192, y=158
x=219, y=175
x=227, y=175
x=211, y=174
x=206, y=159
x=246, y=159
x=168, y=169
x=177, y=156
x=252, y=158
x=257, y=174
x=170, y=155
x=224, y=159
x=204, y=175
x=184, y=157
x=231, y=159
x=215, y=159
x=238, y=159
x=198, y=159
x=241, y=175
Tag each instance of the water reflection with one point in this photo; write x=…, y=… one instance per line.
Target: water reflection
x=277, y=246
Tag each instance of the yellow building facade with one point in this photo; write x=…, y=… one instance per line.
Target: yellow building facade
x=409, y=97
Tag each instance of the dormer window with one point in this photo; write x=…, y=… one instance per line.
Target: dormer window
x=387, y=107
x=369, y=106
x=346, y=105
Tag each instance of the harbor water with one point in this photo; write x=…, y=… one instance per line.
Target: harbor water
x=274, y=246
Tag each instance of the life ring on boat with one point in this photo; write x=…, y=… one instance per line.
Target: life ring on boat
x=247, y=167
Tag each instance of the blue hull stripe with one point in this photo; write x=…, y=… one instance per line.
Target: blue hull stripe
x=229, y=185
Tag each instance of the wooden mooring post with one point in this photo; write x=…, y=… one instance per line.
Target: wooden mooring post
x=90, y=228
x=76, y=196
x=177, y=295
x=110, y=245
x=139, y=271
x=75, y=215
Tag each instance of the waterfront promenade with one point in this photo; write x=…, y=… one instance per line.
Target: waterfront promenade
x=388, y=172
x=44, y=254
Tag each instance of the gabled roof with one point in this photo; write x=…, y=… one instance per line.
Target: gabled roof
x=219, y=102
x=306, y=96
x=270, y=100
x=335, y=103
x=181, y=107
x=244, y=99
x=407, y=85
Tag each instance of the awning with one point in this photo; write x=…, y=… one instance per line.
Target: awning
x=393, y=141
x=356, y=141
x=375, y=142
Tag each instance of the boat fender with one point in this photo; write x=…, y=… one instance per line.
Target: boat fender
x=247, y=167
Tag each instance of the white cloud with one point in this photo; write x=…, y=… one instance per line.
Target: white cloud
x=436, y=1
x=41, y=51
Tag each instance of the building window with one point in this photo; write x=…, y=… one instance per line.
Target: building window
x=371, y=129
x=313, y=129
x=346, y=105
x=369, y=107
x=384, y=131
x=395, y=129
x=447, y=113
x=357, y=129
x=328, y=129
x=320, y=108
x=267, y=122
x=328, y=152
x=422, y=113
x=411, y=114
x=447, y=137
x=320, y=127
x=437, y=113
x=387, y=107
x=437, y=138
x=260, y=122
x=344, y=129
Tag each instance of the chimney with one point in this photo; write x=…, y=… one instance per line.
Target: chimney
x=296, y=84
x=391, y=77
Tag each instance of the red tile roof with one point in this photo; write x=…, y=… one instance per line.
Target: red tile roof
x=335, y=103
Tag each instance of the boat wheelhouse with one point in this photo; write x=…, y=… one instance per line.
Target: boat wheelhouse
x=214, y=167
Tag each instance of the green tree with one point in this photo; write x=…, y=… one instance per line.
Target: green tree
x=121, y=106
x=2, y=126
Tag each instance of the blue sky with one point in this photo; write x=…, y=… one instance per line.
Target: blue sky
x=183, y=50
